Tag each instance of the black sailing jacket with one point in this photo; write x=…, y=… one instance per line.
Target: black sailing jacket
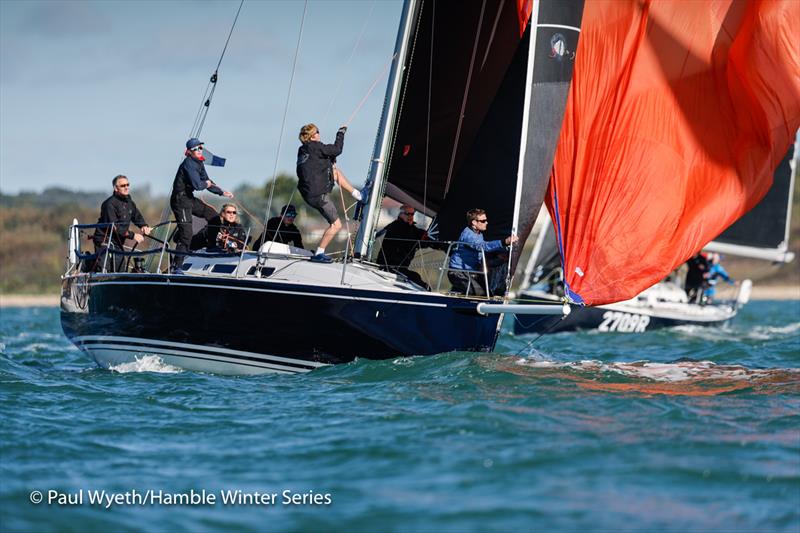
x=121, y=211
x=315, y=166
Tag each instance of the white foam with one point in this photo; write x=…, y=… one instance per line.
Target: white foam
x=145, y=363
x=662, y=372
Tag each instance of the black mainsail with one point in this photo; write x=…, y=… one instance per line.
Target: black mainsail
x=476, y=111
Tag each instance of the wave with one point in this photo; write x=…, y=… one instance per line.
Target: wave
x=146, y=363
x=689, y=378
x=733, y=333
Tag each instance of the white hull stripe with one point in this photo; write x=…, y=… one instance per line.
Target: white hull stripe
x=253, y=289
x=97, y=350
x=195, y=348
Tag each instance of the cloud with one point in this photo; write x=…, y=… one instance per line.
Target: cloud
x=59, y=18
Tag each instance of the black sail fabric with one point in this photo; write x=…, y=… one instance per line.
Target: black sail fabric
x=459, y=130
x=765, y=226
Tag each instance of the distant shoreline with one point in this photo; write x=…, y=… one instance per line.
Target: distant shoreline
x=764, y=292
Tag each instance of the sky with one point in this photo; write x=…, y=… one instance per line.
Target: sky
x=91, y=89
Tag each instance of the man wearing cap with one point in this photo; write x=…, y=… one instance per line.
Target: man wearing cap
x=282, y=229
x=191, y=176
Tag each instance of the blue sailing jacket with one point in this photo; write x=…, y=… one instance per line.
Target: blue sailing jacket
x=467, y=256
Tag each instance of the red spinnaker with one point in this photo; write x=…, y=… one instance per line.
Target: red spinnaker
x=678, y=114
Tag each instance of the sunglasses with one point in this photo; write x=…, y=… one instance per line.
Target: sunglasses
x=411, y=214
x=124, y=185
x=197, y=149
x=230, y=212
x=482, y=221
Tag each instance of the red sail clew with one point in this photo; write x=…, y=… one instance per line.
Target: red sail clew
x=678, y=114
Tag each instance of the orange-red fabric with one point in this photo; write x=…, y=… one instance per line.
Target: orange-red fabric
x=524, y=10
x=678, y=114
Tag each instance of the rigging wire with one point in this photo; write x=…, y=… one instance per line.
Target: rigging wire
x=347, y=64
x=428, y=120
x=202, y=111
x=285, y=112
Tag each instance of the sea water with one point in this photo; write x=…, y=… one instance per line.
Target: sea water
x=687, y=429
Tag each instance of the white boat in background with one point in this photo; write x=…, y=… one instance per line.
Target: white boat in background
x=763, y=233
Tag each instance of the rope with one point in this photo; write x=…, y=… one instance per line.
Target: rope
x=555, y=323
x=349, y=248
x=285, y=112
x=369, y=92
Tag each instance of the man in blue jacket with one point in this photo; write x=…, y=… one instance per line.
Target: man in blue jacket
x=467, y=257
x=191, y=176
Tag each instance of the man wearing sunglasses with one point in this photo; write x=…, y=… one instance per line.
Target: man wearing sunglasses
x=191, y=177
x=401, y=238
x=467, y=257
x=120, y=210
x=282, y=229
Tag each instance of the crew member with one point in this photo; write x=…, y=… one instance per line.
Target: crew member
x=191, y=177
x=223, y=232
x=120, y=210
x=465, y=262
x=401, y=238
x=282, y=229
x=316, y=174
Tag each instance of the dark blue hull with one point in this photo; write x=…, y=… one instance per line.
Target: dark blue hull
x=251, y=323
x=611, y=320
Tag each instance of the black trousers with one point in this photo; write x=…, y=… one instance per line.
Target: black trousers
x=183, y=207
x=470, y=283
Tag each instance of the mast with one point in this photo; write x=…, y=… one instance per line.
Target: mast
x=377, y=174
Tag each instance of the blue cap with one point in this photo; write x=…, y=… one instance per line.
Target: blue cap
x=191, y=143
x=288, y=211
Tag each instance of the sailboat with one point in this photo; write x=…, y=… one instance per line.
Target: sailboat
x=668, y=132
x=476, y=90
x=763, y=233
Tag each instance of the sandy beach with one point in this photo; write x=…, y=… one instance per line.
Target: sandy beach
x=763, y=292
x=28, y=300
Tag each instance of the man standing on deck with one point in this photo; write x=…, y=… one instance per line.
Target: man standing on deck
x=316, y=177
x=191, y=176
x=120, y=210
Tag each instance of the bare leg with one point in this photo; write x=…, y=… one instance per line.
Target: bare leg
x=341, y=179
x=330, y=233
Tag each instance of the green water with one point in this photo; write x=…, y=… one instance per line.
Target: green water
x=678, y=430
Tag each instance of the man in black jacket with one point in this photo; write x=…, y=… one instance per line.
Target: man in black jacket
x=282, y=229
x=401, y=238
x=120, y=210
x=316, y=174
x=191, y=176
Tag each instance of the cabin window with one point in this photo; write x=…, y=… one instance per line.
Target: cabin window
x=186, y=266
x=265, y=271
x=223, y=269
